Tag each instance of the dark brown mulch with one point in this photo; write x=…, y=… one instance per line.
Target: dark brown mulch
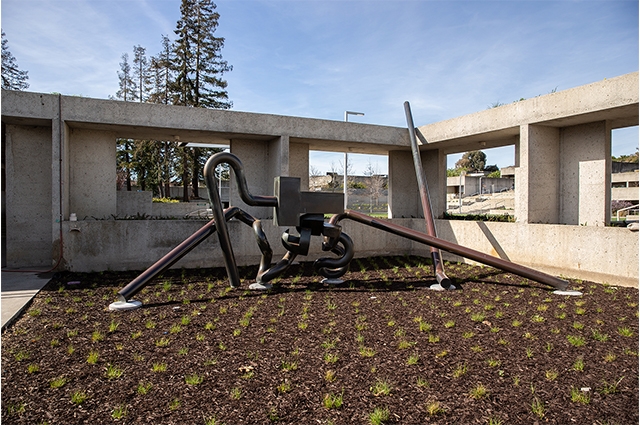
x=503, y=350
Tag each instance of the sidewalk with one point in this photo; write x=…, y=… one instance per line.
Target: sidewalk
x=18, y=288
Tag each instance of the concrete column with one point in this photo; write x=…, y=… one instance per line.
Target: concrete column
x=92, y=178
x=299, y=163
x=28, y=196
x=537, y=174
x=403, y=186
x=585, y=174
x=404, y=197
x=434, y=163
x=262, y=161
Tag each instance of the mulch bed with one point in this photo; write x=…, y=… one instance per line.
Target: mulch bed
x=503, y=350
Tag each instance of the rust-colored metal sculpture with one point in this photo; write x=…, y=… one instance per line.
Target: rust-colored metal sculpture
x=305, y=211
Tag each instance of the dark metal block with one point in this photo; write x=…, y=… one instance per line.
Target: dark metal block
x=322, y=203
x=287, y=190
x=292, y=203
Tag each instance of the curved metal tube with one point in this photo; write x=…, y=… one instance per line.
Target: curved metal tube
x=453, y=248
x=190, y=243
x=277, y=269
x=216, y=206
x=335, y=267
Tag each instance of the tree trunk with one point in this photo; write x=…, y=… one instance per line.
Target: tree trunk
x=185, y=180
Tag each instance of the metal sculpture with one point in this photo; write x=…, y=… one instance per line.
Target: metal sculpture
x=305, y=211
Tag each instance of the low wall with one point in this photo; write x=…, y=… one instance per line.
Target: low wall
x=601, y=254
x=131, y=204
x=607, y=255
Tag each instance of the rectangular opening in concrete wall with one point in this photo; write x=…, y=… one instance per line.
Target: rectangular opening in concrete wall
x=482, y=183
x=167, y=169
x=624, y=175
x=367, y=179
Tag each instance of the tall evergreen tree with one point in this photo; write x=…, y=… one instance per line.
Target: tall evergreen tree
x=12, y=77
x=124, y=147
x=141, y=73
x=162, y=74
x=198, y=61
x=124, y=161
x=198, y=67
x=128, y=89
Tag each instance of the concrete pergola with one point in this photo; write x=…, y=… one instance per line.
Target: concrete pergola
x=60, y=155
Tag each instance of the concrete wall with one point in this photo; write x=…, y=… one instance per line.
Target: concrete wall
x=29, y=208
x=404, y=200
x=92, y=178
x=599, y=254
x=561, y=139
x=537, y=180
x=585, y=179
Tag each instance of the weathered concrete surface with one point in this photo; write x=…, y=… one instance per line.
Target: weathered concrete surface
x=72, y=140
x=28, y=196
x=607, y=255
x=165, y=122
x=614, y=100
x=601, y=254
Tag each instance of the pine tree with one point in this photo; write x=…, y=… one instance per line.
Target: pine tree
x=12, y=77
x=124, y=163
x=141, y=73
x=124, y=147
x=128, y=89
x=198, y=66
x=198, y=62
x=162, y=74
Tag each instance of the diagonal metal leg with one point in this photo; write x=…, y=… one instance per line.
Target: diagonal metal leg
x=436, y=257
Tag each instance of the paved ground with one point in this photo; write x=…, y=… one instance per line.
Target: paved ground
x=18, y=288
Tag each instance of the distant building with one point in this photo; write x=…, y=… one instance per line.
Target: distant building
x=473, y=184
x=624, y=182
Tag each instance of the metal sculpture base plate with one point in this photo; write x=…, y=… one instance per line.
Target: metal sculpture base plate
x=330, y=281
x=568, y=292
x=260, y=286
x=438, y=287
x=125, y=305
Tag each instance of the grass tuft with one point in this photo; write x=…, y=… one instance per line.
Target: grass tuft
x=379, y=416
x=333, y=401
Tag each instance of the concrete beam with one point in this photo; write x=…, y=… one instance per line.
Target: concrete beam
x=614, y=100
x=165, y=122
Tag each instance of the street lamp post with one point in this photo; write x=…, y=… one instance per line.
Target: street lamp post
x=344, y=183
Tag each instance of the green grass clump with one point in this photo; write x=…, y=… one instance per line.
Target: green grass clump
x=479, y=392
x=578, y=396
x=576, y=341
x=460, y=370
x=119, y=412
x=193, y=379
x=159, y=367
x=379, y=416
x=381, y=387
x=113, y=372
x=58, y=382
x=434, y=408
x=144, y=388
x=78, y=397
x=93, y=356
x=332, y=401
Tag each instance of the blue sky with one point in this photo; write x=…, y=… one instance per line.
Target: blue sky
x=319, y=58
